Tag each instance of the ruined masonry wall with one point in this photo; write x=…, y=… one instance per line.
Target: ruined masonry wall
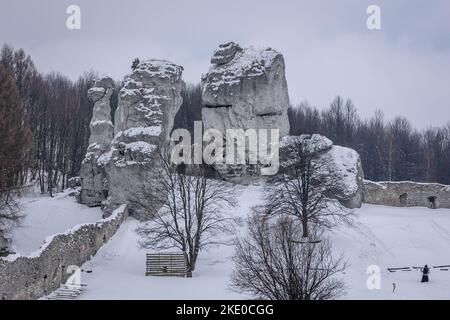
x=406, y=194
x=31, y=277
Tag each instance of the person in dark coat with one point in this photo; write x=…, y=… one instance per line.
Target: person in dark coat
x=425, y=272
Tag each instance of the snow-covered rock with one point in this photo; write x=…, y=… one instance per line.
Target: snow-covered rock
x=150, y=97
x=246, y=89
x=342, y=164
x=225, y=53
x=102, y=129
x=119, y=157
x=93, y=188
x=148, y=103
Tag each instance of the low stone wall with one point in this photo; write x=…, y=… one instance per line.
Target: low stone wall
x=407, y=194
x=31, y=277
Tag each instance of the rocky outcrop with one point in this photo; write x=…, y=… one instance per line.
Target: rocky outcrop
x=148, y=102
x=116, y=168
x=407, y=194
x=150, y=98
x=341, y=164
x=94, y=186
x=245, y=89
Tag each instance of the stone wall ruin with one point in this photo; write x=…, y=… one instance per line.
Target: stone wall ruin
x=407, y=194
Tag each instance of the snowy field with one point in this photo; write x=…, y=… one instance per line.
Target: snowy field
x=45, y=216
x=382, y=236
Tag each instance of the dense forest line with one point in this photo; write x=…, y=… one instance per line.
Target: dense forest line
x=57, y=113
x=390, y=150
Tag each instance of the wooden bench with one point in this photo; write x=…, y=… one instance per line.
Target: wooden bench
x=167, y=264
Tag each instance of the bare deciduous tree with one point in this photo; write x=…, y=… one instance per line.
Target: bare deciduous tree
x=304, y=187
x=10, y=217
x=14, y=144
x=271, y=264
x=192, y=210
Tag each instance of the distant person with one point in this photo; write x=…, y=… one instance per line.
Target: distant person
x=425, y=273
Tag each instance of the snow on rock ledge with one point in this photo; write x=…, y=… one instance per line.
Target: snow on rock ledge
x=150, y=97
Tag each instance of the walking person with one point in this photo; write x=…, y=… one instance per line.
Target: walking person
x=425, y=273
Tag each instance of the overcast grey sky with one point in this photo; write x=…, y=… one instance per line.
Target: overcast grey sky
x=404, y=68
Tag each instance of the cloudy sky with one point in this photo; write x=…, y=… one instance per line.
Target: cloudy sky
x=404, y=68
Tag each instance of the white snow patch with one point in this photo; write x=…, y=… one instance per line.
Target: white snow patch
x=383, y=236
x=148, y=131
x=141, y=146
x=45, y=216
x=101, y=122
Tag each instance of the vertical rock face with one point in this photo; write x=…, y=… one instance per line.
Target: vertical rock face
x=150, y=98
x=148, y=102
x=116, y=165
x=94, y=185
x=246, y=89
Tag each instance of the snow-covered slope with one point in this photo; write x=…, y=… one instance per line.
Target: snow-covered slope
x=397, y=237
x=118, y=269
x=45, y=216
x=383, y=236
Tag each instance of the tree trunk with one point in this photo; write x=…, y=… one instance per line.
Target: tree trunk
x=305, y=228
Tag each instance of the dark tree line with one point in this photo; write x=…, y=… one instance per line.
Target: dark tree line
x=58, y=112
x=14, y=144
x=390, y=150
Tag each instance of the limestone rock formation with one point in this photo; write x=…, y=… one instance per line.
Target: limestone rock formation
x=148, y=102
x=246, y=89
x=150, y=98
x=93, y=177
x=343, y=164
x=118, y=158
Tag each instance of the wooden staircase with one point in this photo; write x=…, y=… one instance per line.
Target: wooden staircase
x=67, y=292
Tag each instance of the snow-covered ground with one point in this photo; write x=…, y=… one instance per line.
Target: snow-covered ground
x=397, y=237
x=45, y=216
x=382, y=236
